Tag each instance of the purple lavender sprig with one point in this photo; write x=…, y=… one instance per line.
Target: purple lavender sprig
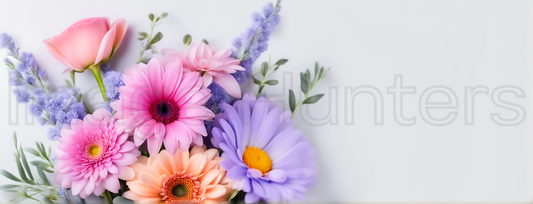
x=52, y=108
x=254, y=41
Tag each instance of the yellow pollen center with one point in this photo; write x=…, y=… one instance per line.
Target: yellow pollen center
x=256, y=158
x=94, y=150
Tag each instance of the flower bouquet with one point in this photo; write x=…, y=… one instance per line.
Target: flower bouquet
x=174, y=127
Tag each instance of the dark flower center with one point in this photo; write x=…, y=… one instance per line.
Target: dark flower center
x=179, y=190
x=164, y=110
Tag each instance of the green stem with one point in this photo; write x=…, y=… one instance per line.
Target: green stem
x=95, y=69
x=72, y=73
x=107, y=197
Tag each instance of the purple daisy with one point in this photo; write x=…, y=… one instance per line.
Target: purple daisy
x=263, y=155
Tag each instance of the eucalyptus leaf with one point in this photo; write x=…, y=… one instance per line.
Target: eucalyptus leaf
x=304, y=83
x=8, y=186
x=187, y=40
x=15, y=142
x=43, y=177
x=308, y=75
x=39, y=148
x=164, y=14
x=143, y=34
x=122, y=200
x=25, y=163
x=272, y=82
x=69, y=84
x=32, y=151
x=156, y=38
x=316, y=71
x=313, y=99
x=21, y=172
x=264, y=68
x=205, y=41
x=47, y=200
x=276, y=67
x=151, y=16
x=256, y=81
x=282, y=61
x=321, y=73
x=292, y=100
x=10, y=176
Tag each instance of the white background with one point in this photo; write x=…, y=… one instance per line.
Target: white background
x=450, y=43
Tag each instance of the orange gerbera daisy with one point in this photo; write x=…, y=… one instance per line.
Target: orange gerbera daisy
x=184, y=177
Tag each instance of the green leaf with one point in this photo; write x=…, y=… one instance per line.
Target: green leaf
x=41, y=164
x=15, y=142
x=316, y=71
x=276, y=67
x=47, y=200
x=156, y=38
x=25, y=163
x=321, y=73
x=205, y=41
x=22, y=173
x=281, y=61
x=292, y=100
x=69, y=84
x=272, y=82
x=164, y=14
x=313, y=99
x=43, y=177
x=49, y=150
x=187, y=40
x=151, y=17
x=233, y=194
x=32, y=151
x=256, y=81
x=264, y=68
x=304, y=83
x=308, y=75
x=143, y=34
x=10, y=176
x=8, y=186
x=39, y=148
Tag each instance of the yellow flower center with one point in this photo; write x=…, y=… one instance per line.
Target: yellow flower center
x=256, y=158
x=94, y=150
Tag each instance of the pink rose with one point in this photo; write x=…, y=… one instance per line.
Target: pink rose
x=87, y=42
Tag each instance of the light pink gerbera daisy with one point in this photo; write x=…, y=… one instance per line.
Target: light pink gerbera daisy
x=212, y=64
x=93, y=154
x=161, y=104
x=182, y=177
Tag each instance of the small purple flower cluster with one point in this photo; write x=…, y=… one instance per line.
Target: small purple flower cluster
x=255, y=39
x=52, y=108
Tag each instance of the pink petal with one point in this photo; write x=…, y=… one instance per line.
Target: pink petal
x=170, y=139
x=229, y=84
x=196, y=164
x=126, y=173
x=154, y=145
x=111, y=183
x=78, y=185
x=121, y=27
x=208, y=78
x=80, y=42
x=53, y=50
x=159, y=131
x=215, y=192
x=106, y=46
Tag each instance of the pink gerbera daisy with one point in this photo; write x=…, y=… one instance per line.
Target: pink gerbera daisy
x=93, y=154
x=212, y=64
x=161, y=104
